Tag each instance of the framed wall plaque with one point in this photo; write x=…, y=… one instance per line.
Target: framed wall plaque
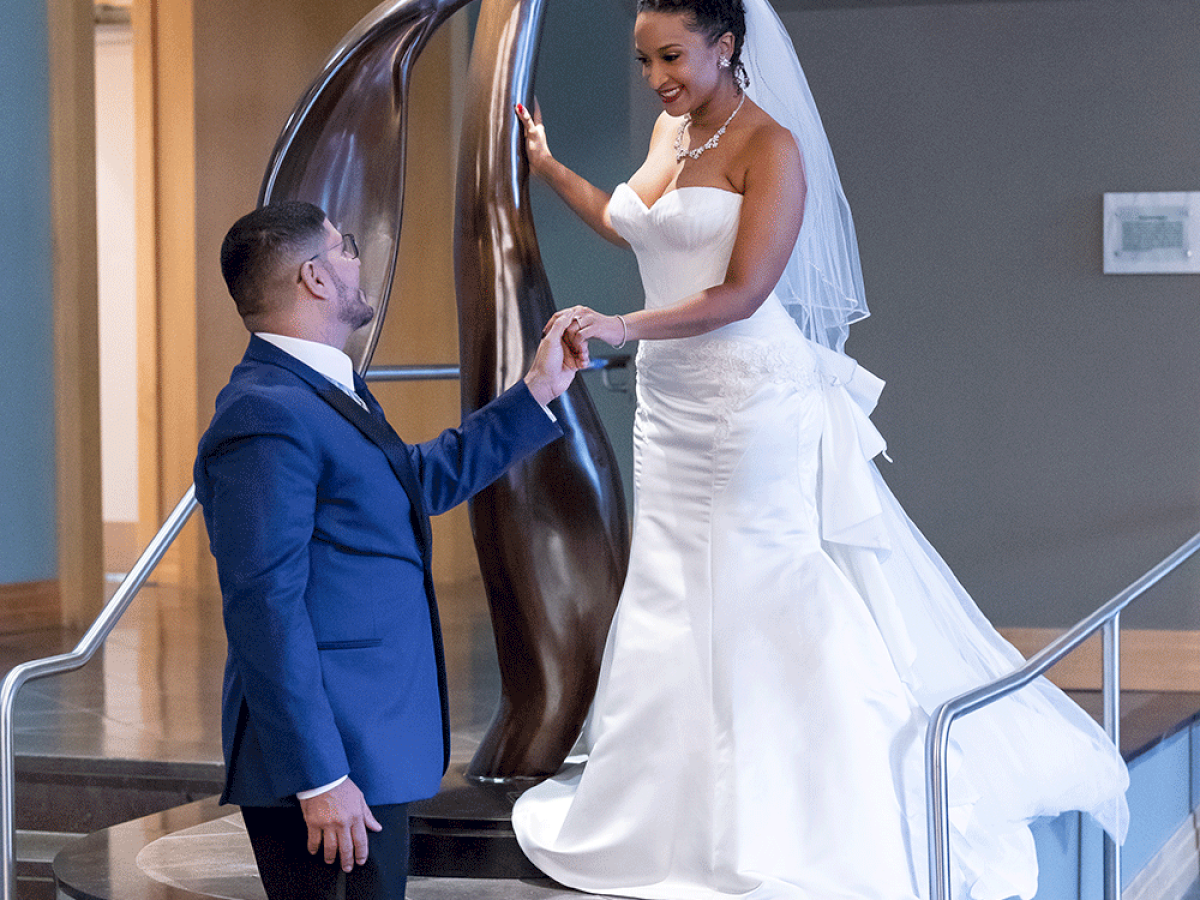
x=1151, y=233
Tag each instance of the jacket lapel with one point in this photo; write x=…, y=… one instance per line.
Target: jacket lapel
x=376, y=429
x=373, y=426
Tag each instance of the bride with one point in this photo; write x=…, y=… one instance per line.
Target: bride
x=784, y=630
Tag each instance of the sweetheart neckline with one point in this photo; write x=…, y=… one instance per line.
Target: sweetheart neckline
x=686, y=187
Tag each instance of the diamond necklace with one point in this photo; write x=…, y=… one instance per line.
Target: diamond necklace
x=711, y=143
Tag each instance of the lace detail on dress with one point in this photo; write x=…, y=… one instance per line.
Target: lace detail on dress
x=736, y=367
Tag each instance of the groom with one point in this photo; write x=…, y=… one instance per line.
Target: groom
x=334, y=711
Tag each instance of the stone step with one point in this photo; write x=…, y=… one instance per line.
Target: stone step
x=86, y=794
x=34, y=854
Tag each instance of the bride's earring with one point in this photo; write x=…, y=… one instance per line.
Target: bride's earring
x=723, y=62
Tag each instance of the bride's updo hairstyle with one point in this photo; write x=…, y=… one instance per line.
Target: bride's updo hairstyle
x=712, y=18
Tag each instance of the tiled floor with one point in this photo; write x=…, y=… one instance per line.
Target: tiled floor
x=153, y=691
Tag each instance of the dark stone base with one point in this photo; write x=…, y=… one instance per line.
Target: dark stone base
x=466, y=831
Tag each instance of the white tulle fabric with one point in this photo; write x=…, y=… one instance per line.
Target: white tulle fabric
x=821, y=286
x=783, y=634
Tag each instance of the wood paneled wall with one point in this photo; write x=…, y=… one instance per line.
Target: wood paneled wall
x=76, y=316
x=29, y=605
x=1150, y=659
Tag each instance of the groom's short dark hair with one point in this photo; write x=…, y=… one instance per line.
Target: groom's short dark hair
x=259, y=242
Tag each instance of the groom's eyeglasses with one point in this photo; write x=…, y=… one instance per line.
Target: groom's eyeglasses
x=347, y=245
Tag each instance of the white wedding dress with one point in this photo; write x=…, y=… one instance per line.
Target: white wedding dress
x=783, y=634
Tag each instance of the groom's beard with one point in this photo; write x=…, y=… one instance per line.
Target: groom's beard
x=353, y=308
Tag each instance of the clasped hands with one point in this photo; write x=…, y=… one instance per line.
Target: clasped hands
x=564, y=349
x=584, y=324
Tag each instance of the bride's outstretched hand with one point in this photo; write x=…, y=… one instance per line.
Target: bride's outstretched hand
x=585, y=324
x=536, y=148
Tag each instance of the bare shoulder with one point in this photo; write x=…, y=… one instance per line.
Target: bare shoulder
x=769, y=141
x=766, y=156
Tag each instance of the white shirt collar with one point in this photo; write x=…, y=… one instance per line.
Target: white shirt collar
x=329, y=361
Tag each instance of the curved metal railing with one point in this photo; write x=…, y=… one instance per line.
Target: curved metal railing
x=19, y=675
x=937, y=740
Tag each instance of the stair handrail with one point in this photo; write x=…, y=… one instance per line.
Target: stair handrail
x=1106, y=620
x=92, y=640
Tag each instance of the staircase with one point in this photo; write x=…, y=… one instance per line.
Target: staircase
x=62, y=798
x=134, y=733
x=1160, y=860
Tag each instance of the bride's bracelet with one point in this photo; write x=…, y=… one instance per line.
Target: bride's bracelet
x=624, y=333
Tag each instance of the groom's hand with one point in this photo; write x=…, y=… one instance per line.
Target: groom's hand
x=555, y=365
x=338, y=821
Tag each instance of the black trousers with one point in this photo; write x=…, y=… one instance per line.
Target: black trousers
x=289, y=872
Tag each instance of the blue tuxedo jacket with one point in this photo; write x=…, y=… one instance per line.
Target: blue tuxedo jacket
x=318, y=516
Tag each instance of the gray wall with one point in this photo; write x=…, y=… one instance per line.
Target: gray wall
x=1042, y=416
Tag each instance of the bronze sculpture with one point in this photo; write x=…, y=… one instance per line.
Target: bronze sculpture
x=551, y=536
x=343, y=146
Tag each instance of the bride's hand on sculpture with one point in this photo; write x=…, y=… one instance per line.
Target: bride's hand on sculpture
x=585, y=199
x=537, y=150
